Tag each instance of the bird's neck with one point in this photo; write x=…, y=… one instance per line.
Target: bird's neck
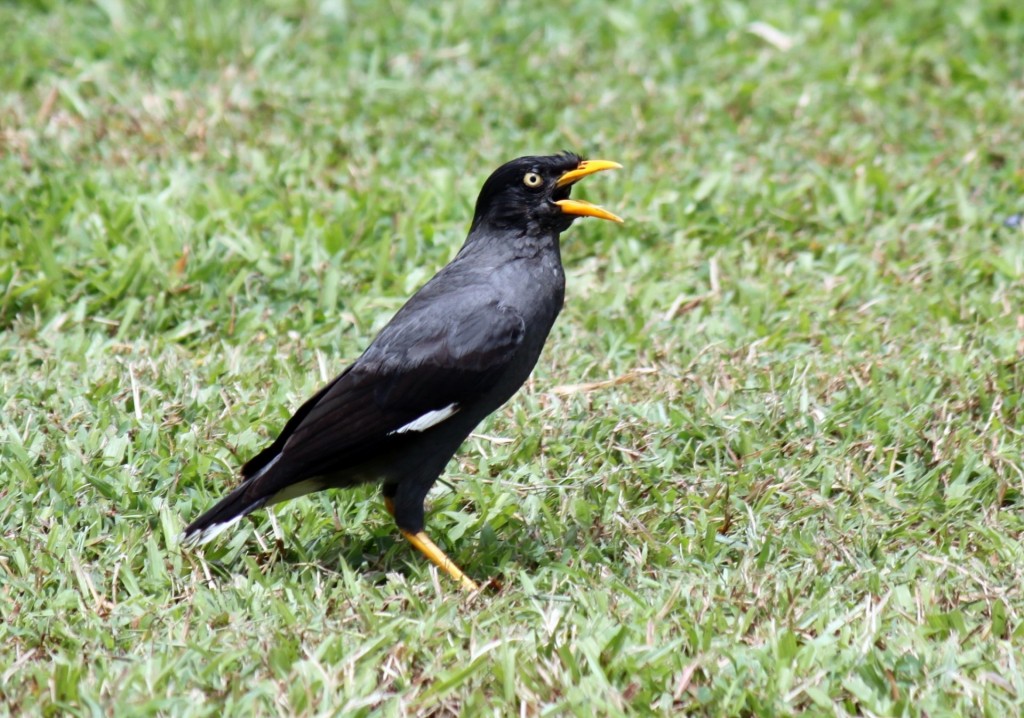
x=506, y=244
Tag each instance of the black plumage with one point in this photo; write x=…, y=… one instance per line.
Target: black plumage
x=455, y=352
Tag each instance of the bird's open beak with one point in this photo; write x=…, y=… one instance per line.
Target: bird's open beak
x=577, y=206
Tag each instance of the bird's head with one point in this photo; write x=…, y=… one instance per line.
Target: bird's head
x=532, y=194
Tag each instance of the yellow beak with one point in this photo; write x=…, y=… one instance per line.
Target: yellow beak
x=585, y=209
x=577, y=206
x=587, y=167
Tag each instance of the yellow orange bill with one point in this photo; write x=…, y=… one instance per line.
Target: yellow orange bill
x=585, y=209
x=587, y=167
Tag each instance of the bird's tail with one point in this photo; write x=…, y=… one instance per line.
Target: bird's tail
x=272, y=483
x=225, y=514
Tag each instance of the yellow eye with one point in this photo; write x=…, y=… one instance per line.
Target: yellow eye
x=532, y=180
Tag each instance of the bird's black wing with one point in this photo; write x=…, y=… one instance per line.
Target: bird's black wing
x=433, y=360
x=258, y=462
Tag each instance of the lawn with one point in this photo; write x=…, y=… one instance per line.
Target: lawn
x=770, y=463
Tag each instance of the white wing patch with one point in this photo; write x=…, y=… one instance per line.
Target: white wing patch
x=431, y=418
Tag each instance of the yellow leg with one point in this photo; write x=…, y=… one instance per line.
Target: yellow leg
x=431, y=550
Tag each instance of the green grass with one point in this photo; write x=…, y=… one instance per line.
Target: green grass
x=806, y=496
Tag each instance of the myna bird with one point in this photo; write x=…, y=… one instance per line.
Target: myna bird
x=458, y=349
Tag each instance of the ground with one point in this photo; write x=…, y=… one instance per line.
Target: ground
x=770, y=462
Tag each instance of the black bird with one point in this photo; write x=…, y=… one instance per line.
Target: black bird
x=458, y=349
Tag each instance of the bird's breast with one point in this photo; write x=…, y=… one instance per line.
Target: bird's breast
x=534, y=287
